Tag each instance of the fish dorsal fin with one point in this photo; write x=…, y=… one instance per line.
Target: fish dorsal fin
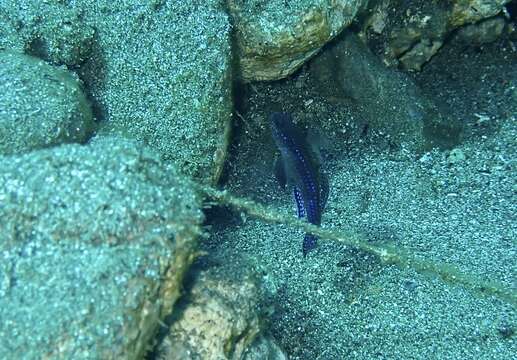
x=279, y=170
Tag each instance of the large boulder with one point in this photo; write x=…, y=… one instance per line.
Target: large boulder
x=158, y=72
x=40, y=105
x=161, y=73
x=94, y=244
x=274, y=38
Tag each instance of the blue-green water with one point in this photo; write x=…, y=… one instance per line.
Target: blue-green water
x=118, y=120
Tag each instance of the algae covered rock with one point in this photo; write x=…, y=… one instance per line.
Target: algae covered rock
x=161, y=73
x=40, y=105
x=218, y=320
x=94, y=244
x=274, y=38
x=411, y=32
x=465, y=12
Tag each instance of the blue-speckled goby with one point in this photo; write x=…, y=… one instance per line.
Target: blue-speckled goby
x=299, y=167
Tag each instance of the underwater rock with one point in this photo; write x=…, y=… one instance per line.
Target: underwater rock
x=483, y=32
x=274, y=38
x=219, y=320
x=264, y=347
x=48, y=30
x=160, y=72
x=465, y=12
x=413, y=31
x=94, y=244
x=40, y=105
x=388, y=99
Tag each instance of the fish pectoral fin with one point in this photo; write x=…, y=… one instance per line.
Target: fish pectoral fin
x=279, y=170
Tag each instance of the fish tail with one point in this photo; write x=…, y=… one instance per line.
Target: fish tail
x=309, y=243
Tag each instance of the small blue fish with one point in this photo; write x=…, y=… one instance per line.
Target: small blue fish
x=299, y=167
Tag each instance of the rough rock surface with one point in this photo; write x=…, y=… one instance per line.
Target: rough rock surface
x=265, y=347
x=219, y=320
x=161, y=73
x=46, y=29
x=411, y=32
x=158, y=72
x=40, y=105
x=274, y=38
x=483, y=32
x=388, y=100
x=94, y=244
x=470, y=11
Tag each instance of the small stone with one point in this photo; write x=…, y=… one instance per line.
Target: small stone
x=427, y=157
x=506, y=331
x=455, y=156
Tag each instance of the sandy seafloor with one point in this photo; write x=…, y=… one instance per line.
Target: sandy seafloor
x=340, y=303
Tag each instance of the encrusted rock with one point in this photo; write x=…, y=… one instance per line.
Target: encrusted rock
x=465, y=12
x=219, y=320
x=411, y=32
x=95, y=241
x=158, y=71
x=40, y=105
x=274, y=38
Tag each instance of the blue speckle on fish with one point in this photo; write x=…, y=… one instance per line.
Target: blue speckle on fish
x=299, y=167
